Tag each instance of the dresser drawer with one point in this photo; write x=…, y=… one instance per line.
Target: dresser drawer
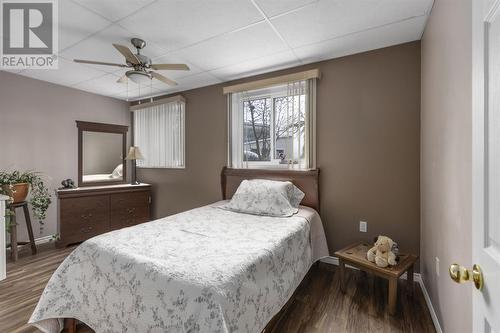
x=128, y=209
x=87, y=212
x=84, y=217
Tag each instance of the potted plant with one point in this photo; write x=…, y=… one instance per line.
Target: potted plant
x=18, y=184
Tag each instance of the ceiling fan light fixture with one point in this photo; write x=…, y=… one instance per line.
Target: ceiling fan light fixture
x=140, y=66
x=139, y=77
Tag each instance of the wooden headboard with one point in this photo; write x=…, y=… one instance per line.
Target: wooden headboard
x=306, y=181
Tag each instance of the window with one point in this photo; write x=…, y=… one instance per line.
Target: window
x=273, y=127
x=159, y=133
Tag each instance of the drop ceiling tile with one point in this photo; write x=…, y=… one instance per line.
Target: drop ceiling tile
x=273, y=7
x=69, y=73
x=178, y=23
x=165, y=90
x=257, y=66
x=98, y=47
x=103, y=85
x=168, y=90
x=253, y=42
x=198, y=80
x=137, y=94
x=334, y=18
x=176, y=58
x=114, y=10
x=77, y=23
x=388, y=35
x=189, y=82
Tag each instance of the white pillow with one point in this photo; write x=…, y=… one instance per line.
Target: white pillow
x=266, y=197
x=295, y=195
x=117, y=172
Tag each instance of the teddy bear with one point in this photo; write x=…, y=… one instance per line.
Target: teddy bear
x=383, y=252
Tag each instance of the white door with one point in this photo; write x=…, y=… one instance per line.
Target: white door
x=486, y=162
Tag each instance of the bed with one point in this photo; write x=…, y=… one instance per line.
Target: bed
x=203, y=270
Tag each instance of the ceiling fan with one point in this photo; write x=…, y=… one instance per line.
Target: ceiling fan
x=141, y=65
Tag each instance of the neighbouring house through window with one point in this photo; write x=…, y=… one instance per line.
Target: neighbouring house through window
x=159, y=132
x=273, y=126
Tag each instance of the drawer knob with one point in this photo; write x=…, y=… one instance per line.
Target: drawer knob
x=86, y=229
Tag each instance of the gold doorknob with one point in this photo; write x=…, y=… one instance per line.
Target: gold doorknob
x=460, y=274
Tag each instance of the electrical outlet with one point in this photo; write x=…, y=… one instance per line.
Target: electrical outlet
x=437, y=266
x=363, y=226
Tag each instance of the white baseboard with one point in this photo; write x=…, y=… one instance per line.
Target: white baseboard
x=434, y=317
x=416, y=277
x=45, y=239
x=42, y=240
x=330, y=260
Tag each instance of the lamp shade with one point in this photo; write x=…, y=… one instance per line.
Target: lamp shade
x=134, y=154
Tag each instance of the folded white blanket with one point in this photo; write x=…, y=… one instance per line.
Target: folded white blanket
x=204, y=270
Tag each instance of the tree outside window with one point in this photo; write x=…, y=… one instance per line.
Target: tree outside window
x=279, y=118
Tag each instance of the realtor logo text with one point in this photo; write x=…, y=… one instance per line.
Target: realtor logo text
x=30, y=34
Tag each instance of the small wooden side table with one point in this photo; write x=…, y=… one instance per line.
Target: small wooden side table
x=13, y=229
x=355, y=255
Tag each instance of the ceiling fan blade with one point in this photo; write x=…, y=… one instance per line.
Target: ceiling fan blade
x=163, y=79
x=123, y=79
x=177, y=67
x=98, y=63
x=125, y=51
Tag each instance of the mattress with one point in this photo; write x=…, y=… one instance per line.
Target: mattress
x=97, y=177
x=203, y=270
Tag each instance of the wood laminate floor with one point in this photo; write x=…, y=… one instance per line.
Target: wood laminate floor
x=319, y=305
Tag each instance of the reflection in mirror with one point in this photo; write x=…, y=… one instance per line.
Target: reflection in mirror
x=101, y=153
x=102, y=156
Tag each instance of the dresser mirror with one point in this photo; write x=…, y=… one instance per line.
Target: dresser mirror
x=101, y=153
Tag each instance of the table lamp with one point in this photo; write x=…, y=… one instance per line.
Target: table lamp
x=134, y=154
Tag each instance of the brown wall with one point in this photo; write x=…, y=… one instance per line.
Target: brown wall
x=38, y=131
x=368, y=128
x=446, y=159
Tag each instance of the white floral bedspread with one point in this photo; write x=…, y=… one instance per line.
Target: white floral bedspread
x=204, y=270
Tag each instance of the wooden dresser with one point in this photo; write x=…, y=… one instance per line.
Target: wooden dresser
x=89, y=211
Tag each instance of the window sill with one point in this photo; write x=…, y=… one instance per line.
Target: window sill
x=272, y=166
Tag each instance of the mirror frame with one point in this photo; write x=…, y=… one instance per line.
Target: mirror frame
x=103, y=128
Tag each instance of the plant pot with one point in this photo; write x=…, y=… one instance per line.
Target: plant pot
x=18, y=192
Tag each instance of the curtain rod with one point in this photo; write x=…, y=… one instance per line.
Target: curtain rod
x=176, y=98
x=264, y=83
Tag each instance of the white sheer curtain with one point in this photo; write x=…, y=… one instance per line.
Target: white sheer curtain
x=293, y=124
x=235, y=130
x=292, y=109
x=159, y=134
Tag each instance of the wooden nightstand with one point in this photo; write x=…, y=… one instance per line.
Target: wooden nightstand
x=355, y=255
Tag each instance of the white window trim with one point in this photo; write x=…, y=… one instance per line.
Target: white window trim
x=273, y=81
x=309, y=76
